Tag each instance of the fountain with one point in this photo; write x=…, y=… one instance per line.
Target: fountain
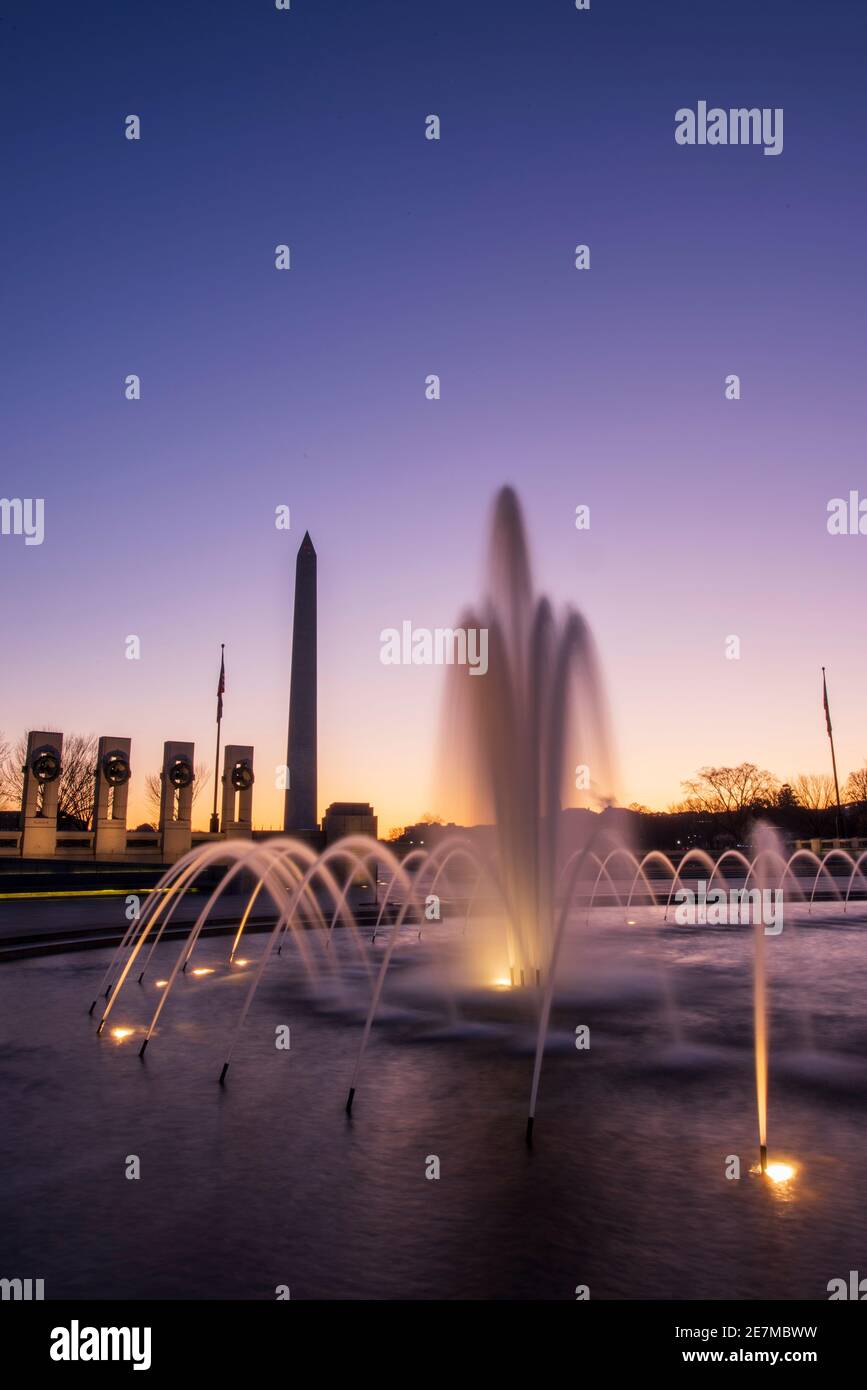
x=535, y=972
x=511, y=739
x=521, y=896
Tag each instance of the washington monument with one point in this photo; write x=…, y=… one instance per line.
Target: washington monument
x=301, y=792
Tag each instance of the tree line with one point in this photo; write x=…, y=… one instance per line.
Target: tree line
x=805, y=804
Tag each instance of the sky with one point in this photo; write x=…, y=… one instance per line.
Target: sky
x=306, y=388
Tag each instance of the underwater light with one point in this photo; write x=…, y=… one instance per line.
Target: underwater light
x=780, y=1172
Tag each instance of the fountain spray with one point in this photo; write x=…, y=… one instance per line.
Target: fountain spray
x=764, y=844
x=760, y=1028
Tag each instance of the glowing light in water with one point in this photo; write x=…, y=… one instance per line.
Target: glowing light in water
x=502, y=982
x=780, y=1172
x=121, y=1033
x=240, y=962
x=203, y=970
x=161, y=984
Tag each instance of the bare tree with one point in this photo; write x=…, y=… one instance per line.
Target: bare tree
x=855, y=788
x=815, y=790
x=11, y=777
x=816, y=796
x=77, y=776
x=153, y=789
x=732, y=793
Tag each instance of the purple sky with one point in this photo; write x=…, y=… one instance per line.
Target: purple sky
x=410, y=257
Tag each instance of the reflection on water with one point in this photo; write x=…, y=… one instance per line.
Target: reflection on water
x=265, y=1182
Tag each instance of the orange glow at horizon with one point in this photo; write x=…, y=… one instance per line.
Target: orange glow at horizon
x=379, y=726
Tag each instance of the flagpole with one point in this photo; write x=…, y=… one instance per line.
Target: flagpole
x=215, y=819
x=833, y=755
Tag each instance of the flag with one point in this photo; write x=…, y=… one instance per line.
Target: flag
x=221, y=686
x=825, y=702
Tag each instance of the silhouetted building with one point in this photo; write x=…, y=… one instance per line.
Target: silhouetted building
x=348, y=818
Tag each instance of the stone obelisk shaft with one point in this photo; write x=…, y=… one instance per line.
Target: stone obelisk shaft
x=301, y=792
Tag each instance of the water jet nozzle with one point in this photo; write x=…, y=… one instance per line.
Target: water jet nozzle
x=223, y=1073
x=141, y=1051
x=763, y=1157
x=529, y=1134
x=349, y=1099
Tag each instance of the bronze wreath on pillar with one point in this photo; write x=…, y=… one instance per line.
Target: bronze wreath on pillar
x=45, y=763
x=115, y=767
x=180, y=773
x=242, y=776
